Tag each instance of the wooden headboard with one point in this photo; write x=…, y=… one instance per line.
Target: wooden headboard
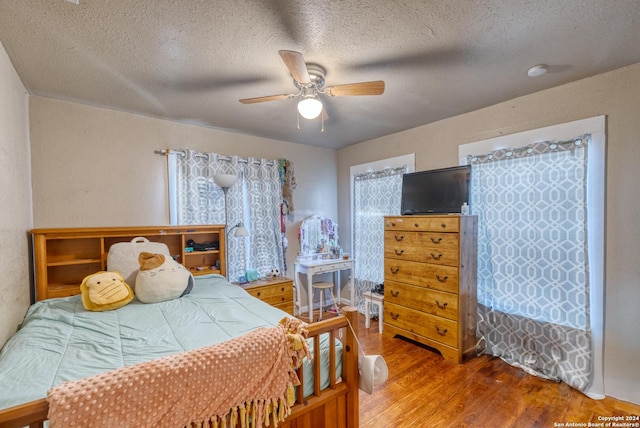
x=64, y=257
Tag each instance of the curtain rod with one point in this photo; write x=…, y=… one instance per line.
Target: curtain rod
x=530, y=148
x=167, y=152
x=386, y=172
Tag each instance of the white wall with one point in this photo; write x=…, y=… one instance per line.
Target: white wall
x=15, y=199
x=97, y=167
x=615, y=94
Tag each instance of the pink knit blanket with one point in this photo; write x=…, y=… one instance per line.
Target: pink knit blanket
x=247, y=382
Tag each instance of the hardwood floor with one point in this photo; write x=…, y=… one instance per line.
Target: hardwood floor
x=423, y=390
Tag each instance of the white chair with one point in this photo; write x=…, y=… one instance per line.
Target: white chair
x=323, y=287
x=371, y=298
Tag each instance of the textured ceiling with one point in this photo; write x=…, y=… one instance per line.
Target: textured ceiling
x=191, y=61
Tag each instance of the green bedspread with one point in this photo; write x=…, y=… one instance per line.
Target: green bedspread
x=59, y=340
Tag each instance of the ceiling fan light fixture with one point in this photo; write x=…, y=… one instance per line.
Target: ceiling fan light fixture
x=309, y=79
x=310, y=107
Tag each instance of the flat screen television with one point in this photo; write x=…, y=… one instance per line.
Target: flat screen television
x=437, y=191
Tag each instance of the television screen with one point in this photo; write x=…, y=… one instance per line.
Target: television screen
x=437, y=191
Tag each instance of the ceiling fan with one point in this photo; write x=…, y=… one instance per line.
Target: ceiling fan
x=309, y=79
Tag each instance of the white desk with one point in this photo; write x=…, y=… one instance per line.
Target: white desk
x=315, y=267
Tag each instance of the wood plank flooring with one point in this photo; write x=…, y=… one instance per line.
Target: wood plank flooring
x=423, y=390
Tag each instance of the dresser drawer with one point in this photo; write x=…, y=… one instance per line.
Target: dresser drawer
x=438, y=248
x=435, y=328
x=276, y=299
x=273, y=294
x=423, y=223
x=422, y=299
x=407, y=223
x=439, y=277
x=444, y=224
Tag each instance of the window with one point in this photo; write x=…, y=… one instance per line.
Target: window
x=504, y=265
x=376, y=189
x=255, y=201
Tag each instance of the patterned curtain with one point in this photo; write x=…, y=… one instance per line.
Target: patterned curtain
x=375, y=194
x=533, y=282
x=254, y=200
x=263, y=198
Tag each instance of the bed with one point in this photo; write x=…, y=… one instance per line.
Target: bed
x=66, y=344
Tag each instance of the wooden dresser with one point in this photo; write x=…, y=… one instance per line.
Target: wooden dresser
x=63, y=257
x=430, y=276
x=277, y=291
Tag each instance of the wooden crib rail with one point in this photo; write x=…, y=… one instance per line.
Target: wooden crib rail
x=337, y=405
x=32, y=414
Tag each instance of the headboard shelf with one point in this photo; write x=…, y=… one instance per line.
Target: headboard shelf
x=64, y=256
x=61, y=290
x=54, y=261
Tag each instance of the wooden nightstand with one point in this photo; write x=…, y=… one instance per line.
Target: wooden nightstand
x=277, y=291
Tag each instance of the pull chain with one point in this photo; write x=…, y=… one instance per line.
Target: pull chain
x=360, y=348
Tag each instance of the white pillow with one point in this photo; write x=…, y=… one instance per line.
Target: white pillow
x=123, y=257
x=161, y=278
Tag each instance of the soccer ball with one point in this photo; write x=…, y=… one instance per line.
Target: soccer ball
x=273, y=273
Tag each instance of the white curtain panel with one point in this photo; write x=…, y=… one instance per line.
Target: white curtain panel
x=375, y=195
x=533, y=282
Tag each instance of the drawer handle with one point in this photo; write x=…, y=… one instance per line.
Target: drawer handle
x=398, y=253
x=443, y=306
x=394, y=270
x=393, y=224
x=282, y=289
x=394, y=316
x=399, y=238
x=259, y=294
x=443, y=279
x=438, y=257
x=442, y=225
x=436, y=241
x=283, y=298
x=416, y=224
x=441, y=332
x=394, y=294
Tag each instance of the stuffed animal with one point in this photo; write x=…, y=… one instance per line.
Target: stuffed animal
x=288, y=185
x=161, y=278
x=103, y=291
x=273, y=273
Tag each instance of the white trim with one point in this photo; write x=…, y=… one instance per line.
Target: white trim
x=564, y=131
x=596, y=126
x=398, y=161
x=409, y=160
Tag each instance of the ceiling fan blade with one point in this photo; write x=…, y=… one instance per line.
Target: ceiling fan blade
x=363, y=88
x=296, y=65
x=263, y=99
